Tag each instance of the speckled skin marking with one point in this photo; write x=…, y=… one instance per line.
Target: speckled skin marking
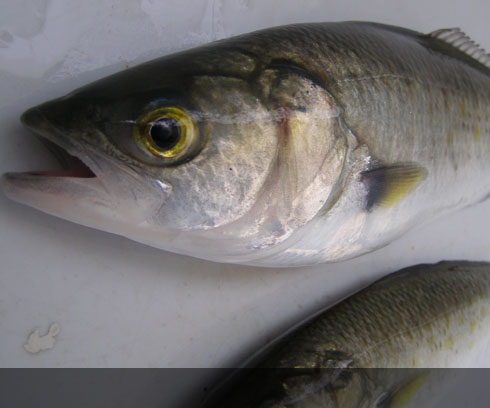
x=376, y=341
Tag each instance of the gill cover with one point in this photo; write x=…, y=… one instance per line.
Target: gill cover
x=311, y=149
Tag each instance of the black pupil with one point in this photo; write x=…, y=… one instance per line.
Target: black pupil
x=165, y=133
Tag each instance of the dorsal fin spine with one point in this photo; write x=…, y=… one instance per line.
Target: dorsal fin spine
x=455, y=36
x=459, y=40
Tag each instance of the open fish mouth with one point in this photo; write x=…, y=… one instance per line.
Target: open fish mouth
x=69, y=158
x=71, y=165
x=72, y=192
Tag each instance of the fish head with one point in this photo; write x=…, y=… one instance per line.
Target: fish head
x=204, y=153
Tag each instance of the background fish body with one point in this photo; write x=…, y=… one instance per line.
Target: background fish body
x=422, y=316
x=289, y=146
x=376, y=344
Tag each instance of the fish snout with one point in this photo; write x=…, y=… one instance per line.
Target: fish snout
x=66, y=115
x=33, y=118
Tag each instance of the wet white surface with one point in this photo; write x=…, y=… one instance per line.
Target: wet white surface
x=119, y=303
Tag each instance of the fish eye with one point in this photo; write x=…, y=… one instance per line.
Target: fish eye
x=165, y=132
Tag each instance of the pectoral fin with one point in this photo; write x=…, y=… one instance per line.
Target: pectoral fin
x=386, y=186
x=402, y=394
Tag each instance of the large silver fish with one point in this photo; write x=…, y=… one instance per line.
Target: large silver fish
x=375, y=348
x=288, y=146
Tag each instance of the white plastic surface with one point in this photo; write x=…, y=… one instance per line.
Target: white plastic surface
x=119, y=303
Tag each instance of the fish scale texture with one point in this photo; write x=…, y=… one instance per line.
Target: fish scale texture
x=418, y=317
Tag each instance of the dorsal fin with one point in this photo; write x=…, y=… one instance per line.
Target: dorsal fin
x=459, y=40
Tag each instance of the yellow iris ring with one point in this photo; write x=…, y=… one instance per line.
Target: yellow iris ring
x=187, y=131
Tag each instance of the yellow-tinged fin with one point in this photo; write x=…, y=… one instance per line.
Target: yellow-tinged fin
x=463, y=43
x=402, y=394
x=386, y=186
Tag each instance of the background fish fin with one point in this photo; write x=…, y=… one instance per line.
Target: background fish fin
x=386, y=186
x=403, y=393
x=459, y=45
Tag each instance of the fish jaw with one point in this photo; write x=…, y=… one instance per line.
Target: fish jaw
x=84, y=192
x=70, y=198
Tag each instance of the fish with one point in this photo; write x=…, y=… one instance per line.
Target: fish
x=290, y=146
x=385, y=346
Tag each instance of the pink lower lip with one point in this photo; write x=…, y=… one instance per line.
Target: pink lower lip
x=77, y=169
